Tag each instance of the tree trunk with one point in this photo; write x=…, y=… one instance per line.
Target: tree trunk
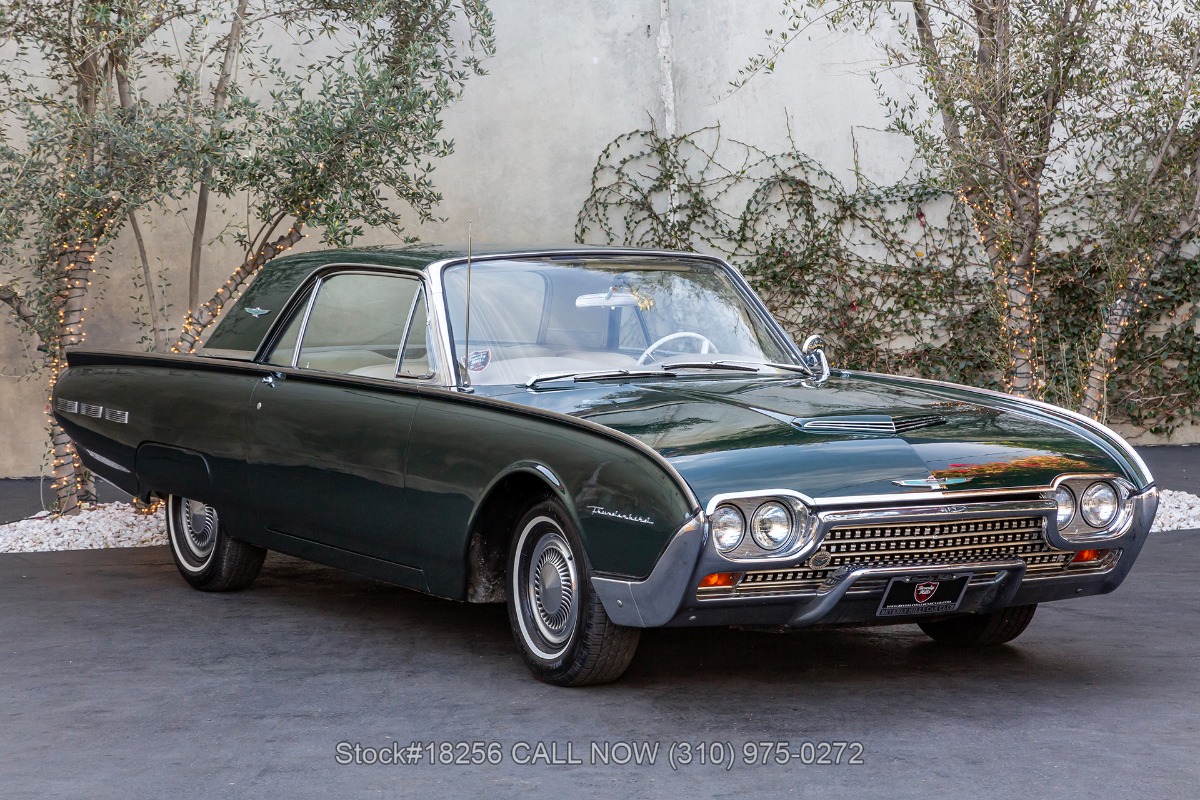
x=1020, y=326
x=156, y=333
x=1120, y=313
x=198, y=321
x=73, y=485
x=220, y=94
x=1124, y=306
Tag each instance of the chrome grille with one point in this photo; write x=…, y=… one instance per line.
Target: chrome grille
x=853, y=546
x=89, y=410
x=113, y=415
x=69, y=406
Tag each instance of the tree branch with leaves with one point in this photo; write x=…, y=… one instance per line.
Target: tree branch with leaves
x=1058, y=122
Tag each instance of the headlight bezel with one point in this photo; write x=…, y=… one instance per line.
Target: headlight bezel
x=1080, y=531
x=801, y=533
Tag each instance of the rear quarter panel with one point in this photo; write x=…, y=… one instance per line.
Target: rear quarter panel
x=180, y=406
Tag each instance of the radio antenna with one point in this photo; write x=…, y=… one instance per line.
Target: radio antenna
x=467, y=334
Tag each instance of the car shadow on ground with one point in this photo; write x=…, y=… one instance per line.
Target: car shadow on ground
x=686, y=659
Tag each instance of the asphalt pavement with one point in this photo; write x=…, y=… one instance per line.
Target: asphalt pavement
x=117, y=680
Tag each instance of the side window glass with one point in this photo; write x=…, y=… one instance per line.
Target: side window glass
x=357, y=324
x=285, y=349
x=417, y=359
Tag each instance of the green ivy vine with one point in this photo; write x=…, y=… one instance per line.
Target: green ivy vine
x=890, y=274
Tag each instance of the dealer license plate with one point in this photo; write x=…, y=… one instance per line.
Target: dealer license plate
x=931, y=594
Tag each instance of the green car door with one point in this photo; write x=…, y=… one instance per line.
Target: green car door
x=326, y=447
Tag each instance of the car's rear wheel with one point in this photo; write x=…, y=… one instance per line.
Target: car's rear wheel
x=558, y=622
x=203, y=551
x=981, y=630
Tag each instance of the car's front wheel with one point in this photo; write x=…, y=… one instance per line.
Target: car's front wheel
x=203, y=551
x=981, y=630
x=558, y=622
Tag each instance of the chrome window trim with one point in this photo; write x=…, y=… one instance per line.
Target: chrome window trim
x=422, y=296
x=312, y=300
x=408, y=319
x=313, y=285
x=314, y=278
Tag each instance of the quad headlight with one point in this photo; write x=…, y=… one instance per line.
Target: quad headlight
x=1099, y=504
x=728, y=527
x=749, y=527
x=771, y=526
x=1066, y=506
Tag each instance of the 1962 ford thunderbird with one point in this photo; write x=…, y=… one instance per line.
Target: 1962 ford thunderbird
x=606, y=440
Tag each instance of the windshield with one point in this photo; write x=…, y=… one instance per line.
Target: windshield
x=533, y=318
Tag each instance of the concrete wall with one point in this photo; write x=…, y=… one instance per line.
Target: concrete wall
x=567, y=79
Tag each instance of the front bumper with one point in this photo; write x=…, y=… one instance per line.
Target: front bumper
x=669, y=595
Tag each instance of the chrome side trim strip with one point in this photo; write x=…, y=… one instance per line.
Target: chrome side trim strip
x=106, y=461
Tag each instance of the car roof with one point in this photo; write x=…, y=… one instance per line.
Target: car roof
x=278, y=280
x=419, y=256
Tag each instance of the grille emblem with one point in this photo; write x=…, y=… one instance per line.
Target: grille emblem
x=820, y=559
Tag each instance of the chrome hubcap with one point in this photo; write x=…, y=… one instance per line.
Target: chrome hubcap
x=553, y=587
x=199, y=523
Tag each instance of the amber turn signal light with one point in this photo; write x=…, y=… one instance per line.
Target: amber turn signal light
x=1088, y=555
x=720, y=580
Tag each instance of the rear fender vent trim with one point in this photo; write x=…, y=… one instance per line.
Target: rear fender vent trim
x=89, y=410
x=113, y=415
x=870, y=424
x=66, y=406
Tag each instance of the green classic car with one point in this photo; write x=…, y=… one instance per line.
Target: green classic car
x=606, y=440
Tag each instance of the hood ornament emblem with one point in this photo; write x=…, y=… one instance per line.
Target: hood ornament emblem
x=257, y=312
x=932, y=482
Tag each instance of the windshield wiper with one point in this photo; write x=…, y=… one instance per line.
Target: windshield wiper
x=602, y=375
x=730, y=365
x=802, y=369
x=742, y=367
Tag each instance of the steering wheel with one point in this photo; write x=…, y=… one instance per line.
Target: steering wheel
x=706, y=345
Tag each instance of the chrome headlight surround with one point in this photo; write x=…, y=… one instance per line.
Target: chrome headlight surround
x=756, y=510
x=1085, y=528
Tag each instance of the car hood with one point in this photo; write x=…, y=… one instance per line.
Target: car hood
x=745, y=434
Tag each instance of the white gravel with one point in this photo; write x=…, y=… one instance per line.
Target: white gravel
x=111, y=525
x=1177, y=511
x=118, y=525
